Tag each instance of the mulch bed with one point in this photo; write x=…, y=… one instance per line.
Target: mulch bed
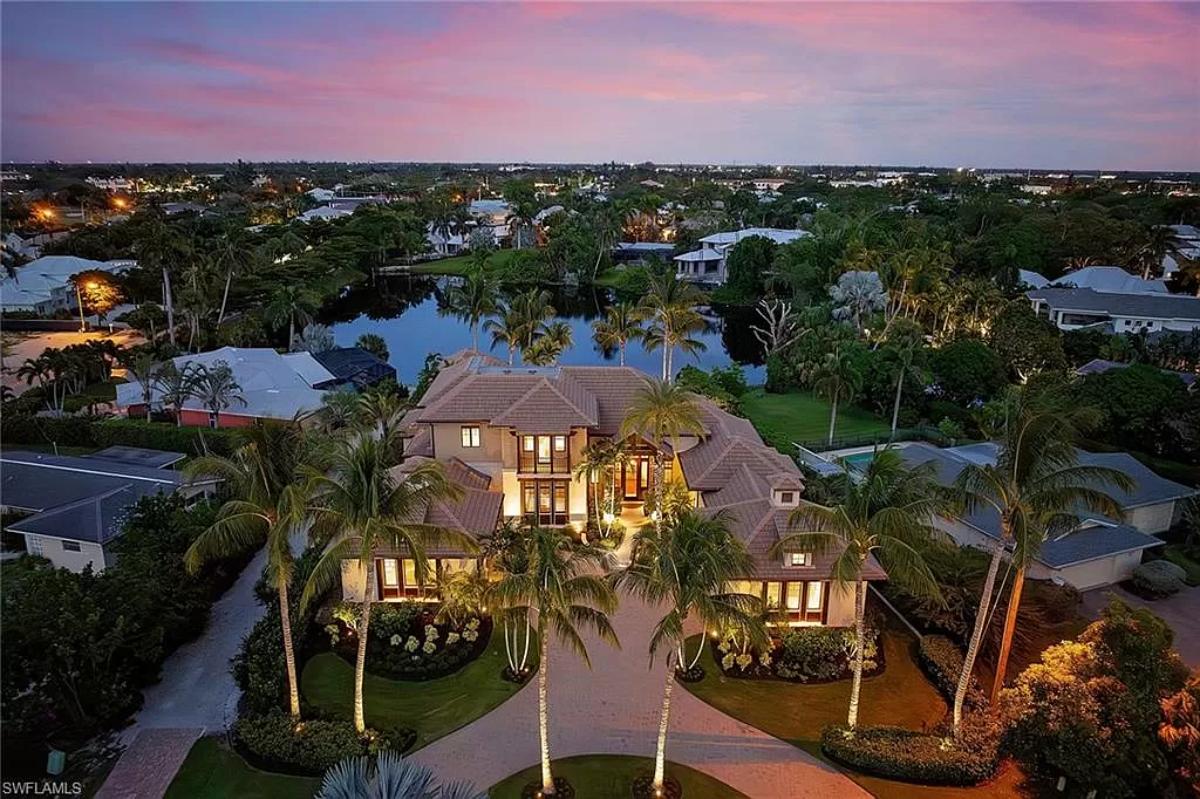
x=643, y=787
x=562, y=790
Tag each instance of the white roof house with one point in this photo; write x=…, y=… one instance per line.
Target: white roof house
x=1132, y=312
x=1109, y=280
x=707, y=264
x=274, y=386
x=321, y=195
x=324, y=213
x=44, y=285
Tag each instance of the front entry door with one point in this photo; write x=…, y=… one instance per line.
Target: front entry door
x=635, y=477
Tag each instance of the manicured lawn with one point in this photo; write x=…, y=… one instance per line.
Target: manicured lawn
x=434, y=708
x=797, y=713
x=608, y=776
x=801, y=416
x=460, y=264
x=214, y=771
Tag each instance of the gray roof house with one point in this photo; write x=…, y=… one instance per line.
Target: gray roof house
x=1100, y=551
x=1071, y=308
x=76, y=506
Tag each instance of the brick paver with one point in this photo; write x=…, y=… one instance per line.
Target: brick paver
x=147, y=767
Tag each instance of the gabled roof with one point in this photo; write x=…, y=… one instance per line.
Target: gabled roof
x=476, y=512
x=97, y=519
x=550, y=406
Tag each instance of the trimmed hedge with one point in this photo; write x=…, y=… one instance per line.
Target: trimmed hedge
x=1159, y=578
x=942, y=660
x=897, y=753
x=275, y=743
x=82, y=431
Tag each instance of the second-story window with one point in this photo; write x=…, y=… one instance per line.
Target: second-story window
x=470, y=436
x=544, y=454
x=799, y=559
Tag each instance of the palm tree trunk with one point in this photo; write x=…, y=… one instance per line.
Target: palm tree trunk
x=224, y=297
x=289, y=654
x=475, y=336
x=622, y=352
x=860, y=606
x=660, y=754
x=170, y=303
x=291, y=331
x=1010, y=626
x=660, y=490
x=981, y=619
x=543, y=712
x=360, y=662
x=896, y=404
x=832, y=420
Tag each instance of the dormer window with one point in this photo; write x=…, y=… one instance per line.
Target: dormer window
x=787, y=497
x=798, y=559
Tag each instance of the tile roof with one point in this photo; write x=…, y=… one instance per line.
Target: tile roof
x=476, y=512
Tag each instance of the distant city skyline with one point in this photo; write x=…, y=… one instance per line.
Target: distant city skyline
x=1086, y=87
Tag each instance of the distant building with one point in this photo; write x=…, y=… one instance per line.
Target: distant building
x=707, y=264
x=76, y=506
x=1071, y=308
x=1098, y=366
x=354, y=366
x=112, y=184
x=43, y=285
x=321, y=195
x=1109, y=279
x=324, y=213
x=1036, y=188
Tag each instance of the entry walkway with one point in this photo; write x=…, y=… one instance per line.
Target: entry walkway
x=614, y=709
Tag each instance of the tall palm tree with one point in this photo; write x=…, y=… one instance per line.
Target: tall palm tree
x=670, y=308
x=887, y=514
x=560, y=588
x=1038, y=489
x=507, y=328
x=144, y=368
x=217, y=389
x=906, y=354
x=474, y=300
x=522, y=321
x=662, y=413
x=836, y=377
x=289, y=302
x=685, y=567
x=556, y=339
x=264, y=478
x=622, y=323
x=364, y=508
x=596, y=461
x=177, y=386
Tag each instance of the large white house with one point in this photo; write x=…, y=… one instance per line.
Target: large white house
x=1071, y=308
x=708, y=264
x=44, y=285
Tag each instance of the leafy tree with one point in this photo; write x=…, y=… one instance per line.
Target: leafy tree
x=837, y=378
x=749, y=263
x=885, y=515
x=374, y=344
x=558, y=587
x=99, y=290
x=856, y=296
x=966, y=371
x=1026, y=343
x=314, y=338
x=1179, y=731
x=1141, y=406
x=684, y=567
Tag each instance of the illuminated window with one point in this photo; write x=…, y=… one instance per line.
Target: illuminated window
x=813, y=599
x=391, y=573
x=774, y=595
x=470, y=437
x=560, y=443
x=793, y=595
x=799, y=559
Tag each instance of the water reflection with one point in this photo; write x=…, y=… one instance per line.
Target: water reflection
x=412, y=315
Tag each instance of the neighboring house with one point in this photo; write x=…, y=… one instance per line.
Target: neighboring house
x=707, y=264
x=77, y=505
x=513, y=436
x=324, y=213
x=321, y=195
x=1185, y=244
x=14, y=245
x=1099, y=366
x=1109, y=280
x=43, y=286
x=351, y=203
x=445, y=243
x=1071, y=308
x=273, y=386
x=1100, y=551
x=354, y=366
x=174, y=209
x=492, y=216
x=640, y=251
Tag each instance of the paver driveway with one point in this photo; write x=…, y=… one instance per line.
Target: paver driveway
x=614, y=709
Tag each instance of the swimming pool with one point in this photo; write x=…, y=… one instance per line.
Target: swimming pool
x=859, y=461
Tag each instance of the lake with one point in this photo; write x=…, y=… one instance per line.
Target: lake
x=410, y=313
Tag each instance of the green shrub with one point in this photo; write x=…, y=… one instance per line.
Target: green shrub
x=943, y=661
x=822, y=653
x=273, y=742
x=67, y=431
x=1160, y=578
x=165, y=436
x=897, y=753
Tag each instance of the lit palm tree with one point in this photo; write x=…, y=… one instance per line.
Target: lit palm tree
x=622, y=323
x=216, y=389
x=365, y=507
x=267, y=506
x=597, y=460
x=886, y=514
x=559, y=589
x=288, y=303
x=836, y=378
x=686, y=567
x=474, y=300
x=662, y=413
x=1039, y=490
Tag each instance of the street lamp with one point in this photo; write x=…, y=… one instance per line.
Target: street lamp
x=79, y=301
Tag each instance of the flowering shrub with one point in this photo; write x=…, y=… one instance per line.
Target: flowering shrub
x=810, y=653
x=411, y=644
x=405, y=641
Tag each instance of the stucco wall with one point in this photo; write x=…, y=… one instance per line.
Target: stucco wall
x=52, y=550
x=841, y=606
x=1094, y=573
x=1152, y=519
x=447, y=444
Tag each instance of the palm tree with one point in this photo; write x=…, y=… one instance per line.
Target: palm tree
x=596, y=461
x=887, y=514
x=837, y=378
x=177, y=386
x=558, y=589
x=686, y=566
x=1038, y=489
x=463, y=594
x=41, y=370
x=507, y=328
x=906, y=353
x=556, y=339
x=217, y=389
x=522, y=321
x=289, y=302
x=670, y=307
x=364, y=507
x=389, y=776
x=662, y=412
x=144, y=368
x=382, y=412
x=264, y=479
x=474, y=300
x=622, y=323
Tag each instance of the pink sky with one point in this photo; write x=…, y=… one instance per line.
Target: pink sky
x=1085, y=86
